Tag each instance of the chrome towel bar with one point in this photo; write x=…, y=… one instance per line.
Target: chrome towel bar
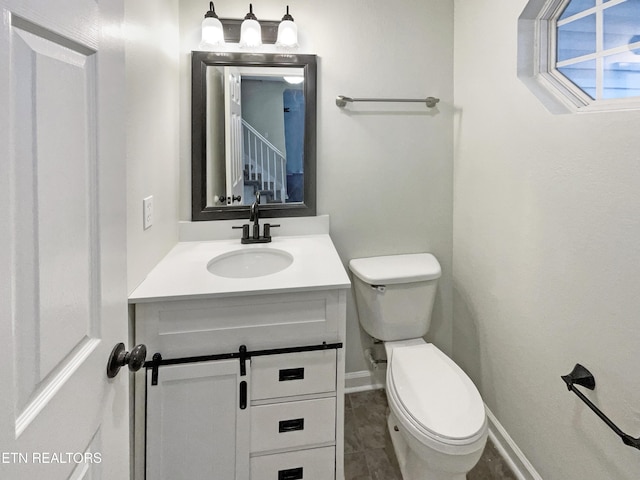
x=342, y=100
x=581, y=376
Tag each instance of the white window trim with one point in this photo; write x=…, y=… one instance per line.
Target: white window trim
x=536, y=62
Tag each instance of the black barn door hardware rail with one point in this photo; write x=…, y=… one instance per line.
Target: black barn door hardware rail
x=583, y=377
x=242, y=354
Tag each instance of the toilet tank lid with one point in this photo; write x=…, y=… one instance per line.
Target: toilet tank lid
x=390, y=269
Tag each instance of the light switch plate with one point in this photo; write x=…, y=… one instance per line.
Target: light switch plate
x=147, y=212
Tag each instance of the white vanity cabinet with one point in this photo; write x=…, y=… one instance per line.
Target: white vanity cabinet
x=280, y=417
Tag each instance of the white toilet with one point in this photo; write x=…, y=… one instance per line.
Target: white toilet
x=437, y=422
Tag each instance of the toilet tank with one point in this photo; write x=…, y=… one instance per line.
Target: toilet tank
x=395, y=294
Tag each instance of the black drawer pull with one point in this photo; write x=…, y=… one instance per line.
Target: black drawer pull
x=291, y=374
x=290, y=474
x=291, y=425
x=243, y=395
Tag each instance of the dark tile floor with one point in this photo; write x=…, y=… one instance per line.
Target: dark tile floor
x=368, y=452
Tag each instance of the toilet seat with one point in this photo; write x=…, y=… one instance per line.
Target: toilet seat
x=433, y=397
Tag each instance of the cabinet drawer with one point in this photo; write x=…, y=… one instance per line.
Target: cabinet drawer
x=312, y=464
x=293, y=424
x=293, y=374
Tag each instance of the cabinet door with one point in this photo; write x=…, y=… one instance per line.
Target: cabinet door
x=195, y=426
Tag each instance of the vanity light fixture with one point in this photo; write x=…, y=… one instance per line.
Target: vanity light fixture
x=287, y=32
x=250, y=31
x=212, y=33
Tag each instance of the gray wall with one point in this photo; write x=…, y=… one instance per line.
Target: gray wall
x=385, y=174
x=262, y=107
x=546, y=256
x=151, y=57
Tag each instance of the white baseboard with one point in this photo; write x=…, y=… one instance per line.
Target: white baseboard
x=361, y=382
x=365, y=380
x=508, y=449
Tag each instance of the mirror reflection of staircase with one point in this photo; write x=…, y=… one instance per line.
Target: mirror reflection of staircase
x=253, y=183
x=264, y=167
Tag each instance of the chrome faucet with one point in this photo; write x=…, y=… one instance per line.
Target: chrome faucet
x=254, y=216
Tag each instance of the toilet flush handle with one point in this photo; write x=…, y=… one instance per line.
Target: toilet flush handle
x=380, y=288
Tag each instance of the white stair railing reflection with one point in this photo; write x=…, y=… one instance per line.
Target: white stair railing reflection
x=264, y=163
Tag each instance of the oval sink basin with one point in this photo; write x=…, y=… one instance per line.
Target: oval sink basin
x=249, y=263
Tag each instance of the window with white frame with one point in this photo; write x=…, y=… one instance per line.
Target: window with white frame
x=585, y=53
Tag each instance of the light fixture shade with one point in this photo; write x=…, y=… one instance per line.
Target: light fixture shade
x=250, y=31
x=212, y=32
x=287, y=32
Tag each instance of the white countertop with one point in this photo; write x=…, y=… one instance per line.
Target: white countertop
x=183, y=274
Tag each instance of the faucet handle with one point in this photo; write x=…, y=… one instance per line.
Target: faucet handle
x=245, y=230
x=267, y=229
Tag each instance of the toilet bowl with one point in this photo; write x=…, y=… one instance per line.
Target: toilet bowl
x=437, y=419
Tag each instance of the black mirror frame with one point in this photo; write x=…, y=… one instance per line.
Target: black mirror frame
x=199, y=62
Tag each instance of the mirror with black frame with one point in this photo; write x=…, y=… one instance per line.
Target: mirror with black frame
x=253, y=130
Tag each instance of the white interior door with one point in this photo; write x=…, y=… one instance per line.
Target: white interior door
x=62, y=241
x=233, y=134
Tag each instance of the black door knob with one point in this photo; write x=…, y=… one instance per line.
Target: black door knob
x=120, y=357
